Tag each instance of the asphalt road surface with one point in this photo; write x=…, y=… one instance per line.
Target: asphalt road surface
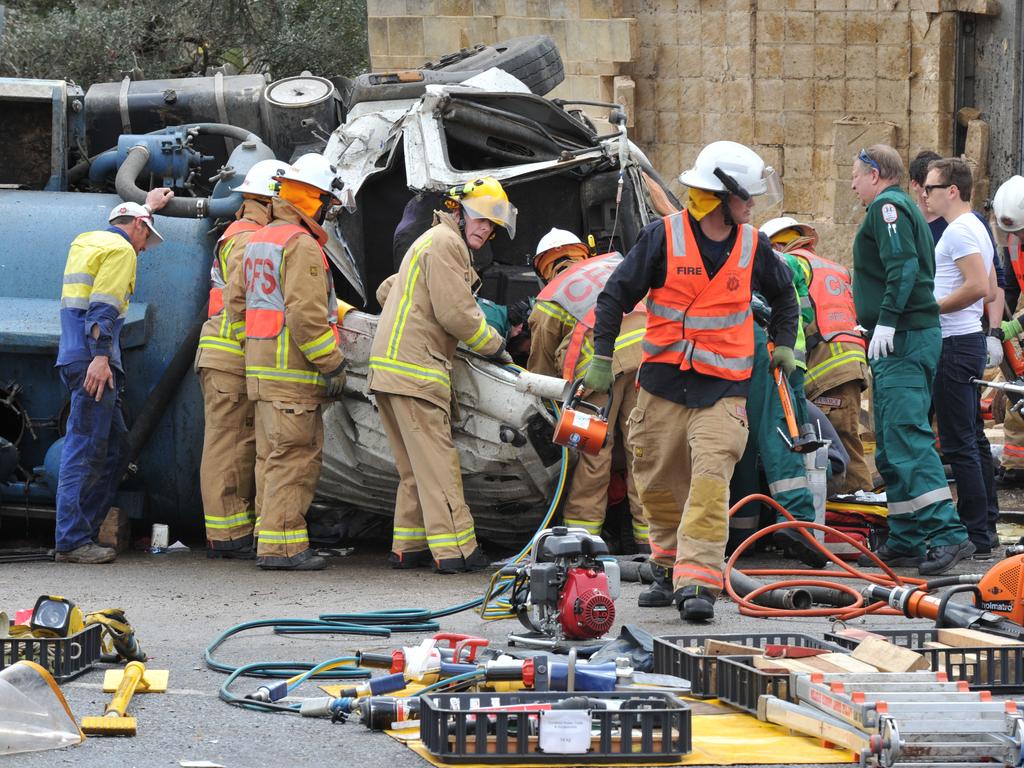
x=178, y=602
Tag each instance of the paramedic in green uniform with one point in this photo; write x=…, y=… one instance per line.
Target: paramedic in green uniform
x=893, y=277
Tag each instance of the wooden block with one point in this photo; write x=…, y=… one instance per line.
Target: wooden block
x=714, y=647
x=844, y=662
x=116, y=531
x=888, y=657
x=785, y=665
x=968, y=638
x=857, y=634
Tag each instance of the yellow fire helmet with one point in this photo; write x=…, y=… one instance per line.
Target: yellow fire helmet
x=485, y=198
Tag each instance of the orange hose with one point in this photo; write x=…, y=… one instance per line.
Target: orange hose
x=809, y=578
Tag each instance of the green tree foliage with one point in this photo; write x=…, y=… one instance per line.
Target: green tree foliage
x=91, y=41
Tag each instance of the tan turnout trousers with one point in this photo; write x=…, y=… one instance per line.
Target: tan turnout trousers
x=227, y=472
x=289, y=450
x=588, y=492
x=1013, y=441
x=842, y=407
x=430, y=508
x=683, y=460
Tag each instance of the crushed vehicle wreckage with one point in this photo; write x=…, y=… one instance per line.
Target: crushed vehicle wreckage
x=398, y=141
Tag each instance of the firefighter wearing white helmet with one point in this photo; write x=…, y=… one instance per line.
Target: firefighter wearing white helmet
x=293, y=360
x=428, y=308
x=227, y=473
x=837, y=368
x=561, y=333
x=1008, y=210
x=697, y=269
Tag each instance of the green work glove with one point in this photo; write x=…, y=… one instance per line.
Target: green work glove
x=1011, y=329
x=784, y=358
x=336, y=382
x=599, y=374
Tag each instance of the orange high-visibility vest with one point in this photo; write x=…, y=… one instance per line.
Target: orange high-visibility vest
x=699, y=323
x=575, y=290
x=1015, y=247
x=264, y=299
x=219, y=270
x=831, y=293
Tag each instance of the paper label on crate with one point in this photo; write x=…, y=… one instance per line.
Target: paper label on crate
x=581, y=420
x=565, y=731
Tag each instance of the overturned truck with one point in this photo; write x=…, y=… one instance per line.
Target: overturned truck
x=66, y=157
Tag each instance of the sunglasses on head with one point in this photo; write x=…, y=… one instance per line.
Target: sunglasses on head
x=867, y=159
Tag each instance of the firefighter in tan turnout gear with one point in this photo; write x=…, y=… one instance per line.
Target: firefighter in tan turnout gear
x=227, y=473
x=293, y=362
x=698, y=269
x=561, y=326
x=428, y=308
x=837, y=365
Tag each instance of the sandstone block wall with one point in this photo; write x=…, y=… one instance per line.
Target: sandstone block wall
x=804, y=82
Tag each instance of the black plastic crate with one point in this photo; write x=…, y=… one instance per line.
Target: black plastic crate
x=740, y=683
x=682, y=655
x=996, y=669
x=903, y=637
x=648, y=728
x=62, y=657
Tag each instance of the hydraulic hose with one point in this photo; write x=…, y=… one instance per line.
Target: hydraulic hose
x=748, y=604
x=160, y=397
x=370, y=623
x=775, y=598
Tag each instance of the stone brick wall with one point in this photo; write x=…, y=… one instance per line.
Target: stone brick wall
x=804, y=82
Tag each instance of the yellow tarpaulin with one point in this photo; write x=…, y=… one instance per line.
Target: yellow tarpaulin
x=731, y=739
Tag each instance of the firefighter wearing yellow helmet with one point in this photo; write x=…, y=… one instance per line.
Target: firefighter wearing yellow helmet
x=428, y=308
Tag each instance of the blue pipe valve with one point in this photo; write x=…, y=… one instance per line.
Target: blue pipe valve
x=171, y=156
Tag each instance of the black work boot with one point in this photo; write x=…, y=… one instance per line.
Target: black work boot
x=795, y=546
x=307, y=560
x=894, y=558
x=659, y=594
x=402, y=561
x=475, y=561
x=695, y=604
x=941, y=559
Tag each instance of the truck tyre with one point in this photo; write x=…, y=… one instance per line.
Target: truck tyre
x=534, y=60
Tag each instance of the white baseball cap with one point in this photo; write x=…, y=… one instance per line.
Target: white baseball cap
x=139, y=212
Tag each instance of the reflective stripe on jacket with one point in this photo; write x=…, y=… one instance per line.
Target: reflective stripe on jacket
x=569, y=299
x=427, y=310
x=220, y=345
x=290, y=309
x=99, y=278
x=220, y=262
x=698, y=323
x=831, y=292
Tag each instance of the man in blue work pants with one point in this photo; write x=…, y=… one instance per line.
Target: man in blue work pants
x=93, y=452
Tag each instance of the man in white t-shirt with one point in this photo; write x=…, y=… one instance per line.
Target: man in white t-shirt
x=963, y=282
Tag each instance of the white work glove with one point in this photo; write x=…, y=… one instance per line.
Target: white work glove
x=995, y=351
x=881, y=342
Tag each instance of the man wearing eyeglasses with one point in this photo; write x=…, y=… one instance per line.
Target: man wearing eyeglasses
x=964, y=280
x=894, y=276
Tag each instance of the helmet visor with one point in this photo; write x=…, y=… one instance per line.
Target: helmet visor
x=501, y=212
